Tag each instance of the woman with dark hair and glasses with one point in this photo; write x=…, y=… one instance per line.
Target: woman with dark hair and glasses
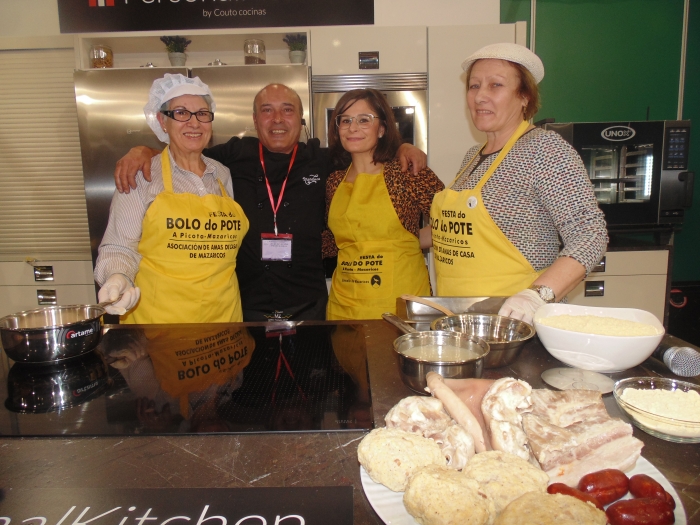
x=373, y=211
x=169, y=252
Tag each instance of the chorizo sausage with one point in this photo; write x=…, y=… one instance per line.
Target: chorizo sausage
x=562, y=488
x=642, y=511
x=643, y=486
x=605, y=485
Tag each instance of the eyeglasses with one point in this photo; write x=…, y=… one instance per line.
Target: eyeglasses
x=182, y=115
x=364, y=121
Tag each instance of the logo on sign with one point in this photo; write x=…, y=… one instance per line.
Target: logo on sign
x=72, y=334
x=617, y=133
x=101, y=3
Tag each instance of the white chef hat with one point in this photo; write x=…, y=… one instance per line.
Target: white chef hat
x=511, y=52
x=168, y=88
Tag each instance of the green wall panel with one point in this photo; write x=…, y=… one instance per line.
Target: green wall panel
x=686, y=262
x=516, y=11
x=609, y=59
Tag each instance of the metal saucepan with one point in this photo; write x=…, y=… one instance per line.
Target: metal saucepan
x=457, y=355
x=51, y=334
x=505, y=336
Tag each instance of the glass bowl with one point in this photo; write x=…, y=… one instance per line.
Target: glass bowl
x=663, y=427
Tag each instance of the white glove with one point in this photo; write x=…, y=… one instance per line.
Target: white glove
x=522, y=305
x=118, y=284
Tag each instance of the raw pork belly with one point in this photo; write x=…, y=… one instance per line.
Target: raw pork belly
x=427, y=416
x=571, y=434
x=502, y=408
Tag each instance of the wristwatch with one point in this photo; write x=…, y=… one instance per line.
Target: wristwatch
x=545, y=292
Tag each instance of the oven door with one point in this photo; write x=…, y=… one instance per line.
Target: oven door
x=410, y=109
x=623, y=161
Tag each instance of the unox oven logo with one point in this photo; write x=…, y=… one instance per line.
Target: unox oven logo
x=101, y=3
x=617, y=133
x=72, y=334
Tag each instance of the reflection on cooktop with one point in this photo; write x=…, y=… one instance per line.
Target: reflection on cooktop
x=191, y=379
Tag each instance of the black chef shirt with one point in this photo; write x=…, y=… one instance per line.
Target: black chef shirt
x=270, y=286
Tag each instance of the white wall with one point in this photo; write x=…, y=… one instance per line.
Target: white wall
x=436, y=12
x=31, y=18
x=28, y=18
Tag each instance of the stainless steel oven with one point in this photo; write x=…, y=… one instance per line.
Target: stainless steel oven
x=638, y=169
x=406, y=93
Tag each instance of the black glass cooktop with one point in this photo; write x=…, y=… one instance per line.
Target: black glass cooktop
x=194, y=379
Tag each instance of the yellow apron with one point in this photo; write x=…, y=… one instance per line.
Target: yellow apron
x=378, y=259
x=472, y=255
x=189, y=245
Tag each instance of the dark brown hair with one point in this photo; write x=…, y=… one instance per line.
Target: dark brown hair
x=528, y=88
x=388, y=144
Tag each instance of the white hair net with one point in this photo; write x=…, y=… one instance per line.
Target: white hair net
x=168, y=88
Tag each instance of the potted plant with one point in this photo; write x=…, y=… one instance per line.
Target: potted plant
x=297, y=47
x=176, y=46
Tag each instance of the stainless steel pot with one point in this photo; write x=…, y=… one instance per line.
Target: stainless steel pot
x=413, y=369
x=51, y=334
x=505, y=336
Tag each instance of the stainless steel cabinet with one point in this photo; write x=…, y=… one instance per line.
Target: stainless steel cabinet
x=26, y=286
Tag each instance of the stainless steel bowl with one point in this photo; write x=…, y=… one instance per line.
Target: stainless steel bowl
x=505, y=336
x=413, y=369
x=51, y=334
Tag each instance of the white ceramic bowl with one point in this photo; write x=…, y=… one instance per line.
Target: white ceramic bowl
x=600, y=353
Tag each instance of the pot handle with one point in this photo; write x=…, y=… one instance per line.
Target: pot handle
x=107, y=303
x=427, y=302
x=399, y=323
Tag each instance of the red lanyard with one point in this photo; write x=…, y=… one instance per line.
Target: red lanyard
x=284, y=184
x=281, y=359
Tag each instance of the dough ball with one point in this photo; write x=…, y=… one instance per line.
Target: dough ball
x=390, y=456
x=536, y=508
x=436, y=495
x=505, y=477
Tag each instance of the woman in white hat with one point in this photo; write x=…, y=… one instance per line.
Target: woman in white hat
x=520, y=219
x=170, y=247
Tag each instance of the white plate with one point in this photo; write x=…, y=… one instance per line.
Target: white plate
x=389, y=504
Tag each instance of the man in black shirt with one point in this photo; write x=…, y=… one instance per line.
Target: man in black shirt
x=280, y=183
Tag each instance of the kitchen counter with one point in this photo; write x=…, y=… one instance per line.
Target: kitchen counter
x=289, y=459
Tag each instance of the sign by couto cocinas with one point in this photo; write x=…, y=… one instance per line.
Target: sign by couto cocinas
x=95, y=16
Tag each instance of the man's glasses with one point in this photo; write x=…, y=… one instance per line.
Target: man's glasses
x=182, y=115
x=364, y=121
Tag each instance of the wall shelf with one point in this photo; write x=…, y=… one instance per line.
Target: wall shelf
x=132, y=51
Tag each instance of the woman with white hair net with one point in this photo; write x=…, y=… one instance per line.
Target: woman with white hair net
x=169, y=252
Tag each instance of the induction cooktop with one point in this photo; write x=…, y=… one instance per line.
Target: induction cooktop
x=195, y=379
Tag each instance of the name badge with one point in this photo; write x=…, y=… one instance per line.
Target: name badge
x=276, y=247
